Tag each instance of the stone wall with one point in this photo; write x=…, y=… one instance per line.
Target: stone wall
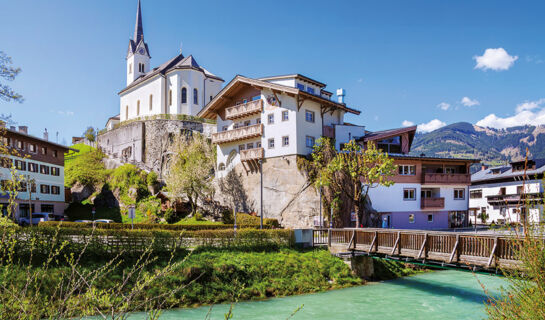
x=145, y=143
x=287, y=194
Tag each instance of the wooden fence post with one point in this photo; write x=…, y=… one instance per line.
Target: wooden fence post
x=329, y=237
x=493, y=253
x=455, y=249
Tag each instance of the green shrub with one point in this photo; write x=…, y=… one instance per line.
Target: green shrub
x=148, y=226
x=149, y=208
x=151, y=179
x=128, y=177
x=246, y=219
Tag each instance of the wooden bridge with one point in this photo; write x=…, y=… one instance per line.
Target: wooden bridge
x=444, y=248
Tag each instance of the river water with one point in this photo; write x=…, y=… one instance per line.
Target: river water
x=436, y=295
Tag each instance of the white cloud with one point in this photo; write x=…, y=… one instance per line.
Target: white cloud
x=63, y=112
x=526, y=113
x=495, y=59
x=443, y=106
x=407, y=123
x=431, y=126
x=466, y=101
x=360, y=80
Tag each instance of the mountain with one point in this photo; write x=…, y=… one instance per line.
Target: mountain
x=493, y=146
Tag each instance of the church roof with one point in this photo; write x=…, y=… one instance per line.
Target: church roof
x=176, y=63
x=138, y=33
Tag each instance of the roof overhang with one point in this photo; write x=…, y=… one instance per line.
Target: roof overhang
x=225, y=98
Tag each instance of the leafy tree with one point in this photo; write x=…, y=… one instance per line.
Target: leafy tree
x=353, y=171
x=191, y=169
x=7, y=72
x=90, y=134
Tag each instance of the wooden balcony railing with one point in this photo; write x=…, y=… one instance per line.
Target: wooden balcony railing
x=432, y=203
x=251, y=154
x=329, y=131
x=446, y=178
x=248, y=132
x=243, y=110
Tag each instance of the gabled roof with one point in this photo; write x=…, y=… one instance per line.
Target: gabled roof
x=296, y=76
x=178, y=62
x=222, y=99
x=384, y=134
x=506, y=172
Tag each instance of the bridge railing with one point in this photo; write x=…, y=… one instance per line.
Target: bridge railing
x=448, y=247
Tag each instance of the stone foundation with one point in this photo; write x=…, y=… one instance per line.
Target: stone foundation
x=288, y=196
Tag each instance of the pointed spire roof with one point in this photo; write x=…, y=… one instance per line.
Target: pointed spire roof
x=138, y=28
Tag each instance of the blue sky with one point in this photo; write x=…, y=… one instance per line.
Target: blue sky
x=400, y=62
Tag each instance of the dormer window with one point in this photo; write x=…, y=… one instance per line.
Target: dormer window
x=301, y=87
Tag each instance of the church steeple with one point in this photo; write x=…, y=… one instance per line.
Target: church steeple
x=138, y=57
x=138, y=28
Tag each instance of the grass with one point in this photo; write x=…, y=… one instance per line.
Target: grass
x=82, y=149
x=193, y=220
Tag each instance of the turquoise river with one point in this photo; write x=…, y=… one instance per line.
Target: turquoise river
x=436, y=295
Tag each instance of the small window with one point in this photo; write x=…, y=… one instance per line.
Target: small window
x=285, y=116
x=270, y=118
x=150, y=102
x=258, y=121
x=221, y=166
x=476, y=194
x=32, y=167
x=411, y=218
x=425, y=193
x=55, y=171
x=44, y=169
x=407, y=170
x=409, y=194
x=256, y=98
x=310, y=141
x=301, y=86
x=55, y=153
x=138, y=108
x=309, y=116
x=310, y=90
x=430, y=217
x=6, y=162
x=32, y=148
x=130, y=68
x=241, y=147
x=55, y=190
x=126, y=112
x=247, y=123
x=224, y=128
x=210, y=99
x=258, y=144
x=249, y=146
x=20, y=145
x=44, y=150
x=44, y=188
x=459, y=194
x=20, y=165
x=195, y=96
x=271, y=143
x=184, y=95
x=285, y=141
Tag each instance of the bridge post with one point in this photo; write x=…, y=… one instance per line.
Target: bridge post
x=329, y=238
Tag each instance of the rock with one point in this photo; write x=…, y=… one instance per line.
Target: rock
x=81, y=192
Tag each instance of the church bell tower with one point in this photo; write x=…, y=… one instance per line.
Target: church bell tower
x=138, y=57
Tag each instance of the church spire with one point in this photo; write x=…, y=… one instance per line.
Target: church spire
x=138, y=29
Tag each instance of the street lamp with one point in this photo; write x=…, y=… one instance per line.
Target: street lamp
x=261, y=193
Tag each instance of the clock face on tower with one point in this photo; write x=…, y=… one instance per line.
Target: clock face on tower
x=142, y=51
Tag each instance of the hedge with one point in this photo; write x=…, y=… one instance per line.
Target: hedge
x=105, y=242
x=268, y=224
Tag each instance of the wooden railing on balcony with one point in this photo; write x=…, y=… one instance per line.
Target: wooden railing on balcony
x=255, y=130
x=243, y=110
x=251, y=154
x=446, y=178
x=329, y=131
x=432, y=203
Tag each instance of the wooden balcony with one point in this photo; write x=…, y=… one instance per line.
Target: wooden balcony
x=432, y=203
x=328, y=131
x=243, y=110
x=446, y=178
x=238, y=134
x=252, y=154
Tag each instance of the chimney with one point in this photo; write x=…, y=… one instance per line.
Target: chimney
x=484, y=167
x=340, y=95
x=12, y=128
x=46, y=135
x=23, y=129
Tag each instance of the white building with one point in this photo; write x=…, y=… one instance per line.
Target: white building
x=179, y=86
x=274, y=117
x=504, y=194
x=40, y=164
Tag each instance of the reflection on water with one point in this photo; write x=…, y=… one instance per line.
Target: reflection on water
x=437, y=295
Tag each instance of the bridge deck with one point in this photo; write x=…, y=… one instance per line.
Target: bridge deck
x=444, y=247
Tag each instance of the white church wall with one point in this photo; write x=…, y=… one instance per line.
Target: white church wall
x=130, y=99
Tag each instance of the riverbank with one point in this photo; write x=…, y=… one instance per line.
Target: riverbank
x=211, y=276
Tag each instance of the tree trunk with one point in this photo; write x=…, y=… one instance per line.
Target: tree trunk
x=357, y=205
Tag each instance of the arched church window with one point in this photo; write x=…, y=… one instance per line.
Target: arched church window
x=126, y=112
x=184, y=95
x=150, y=102
x=231, y=156
x=138, y=108
x=169, y=97
x=221, y=166
x=195, y=96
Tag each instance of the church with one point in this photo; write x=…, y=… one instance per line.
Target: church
x=155, y=104
x=178, y=86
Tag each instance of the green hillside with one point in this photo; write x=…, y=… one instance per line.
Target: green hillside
x=493, y=146
x=71, y=155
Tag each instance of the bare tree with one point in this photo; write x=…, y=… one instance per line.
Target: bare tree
x=8, y=73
